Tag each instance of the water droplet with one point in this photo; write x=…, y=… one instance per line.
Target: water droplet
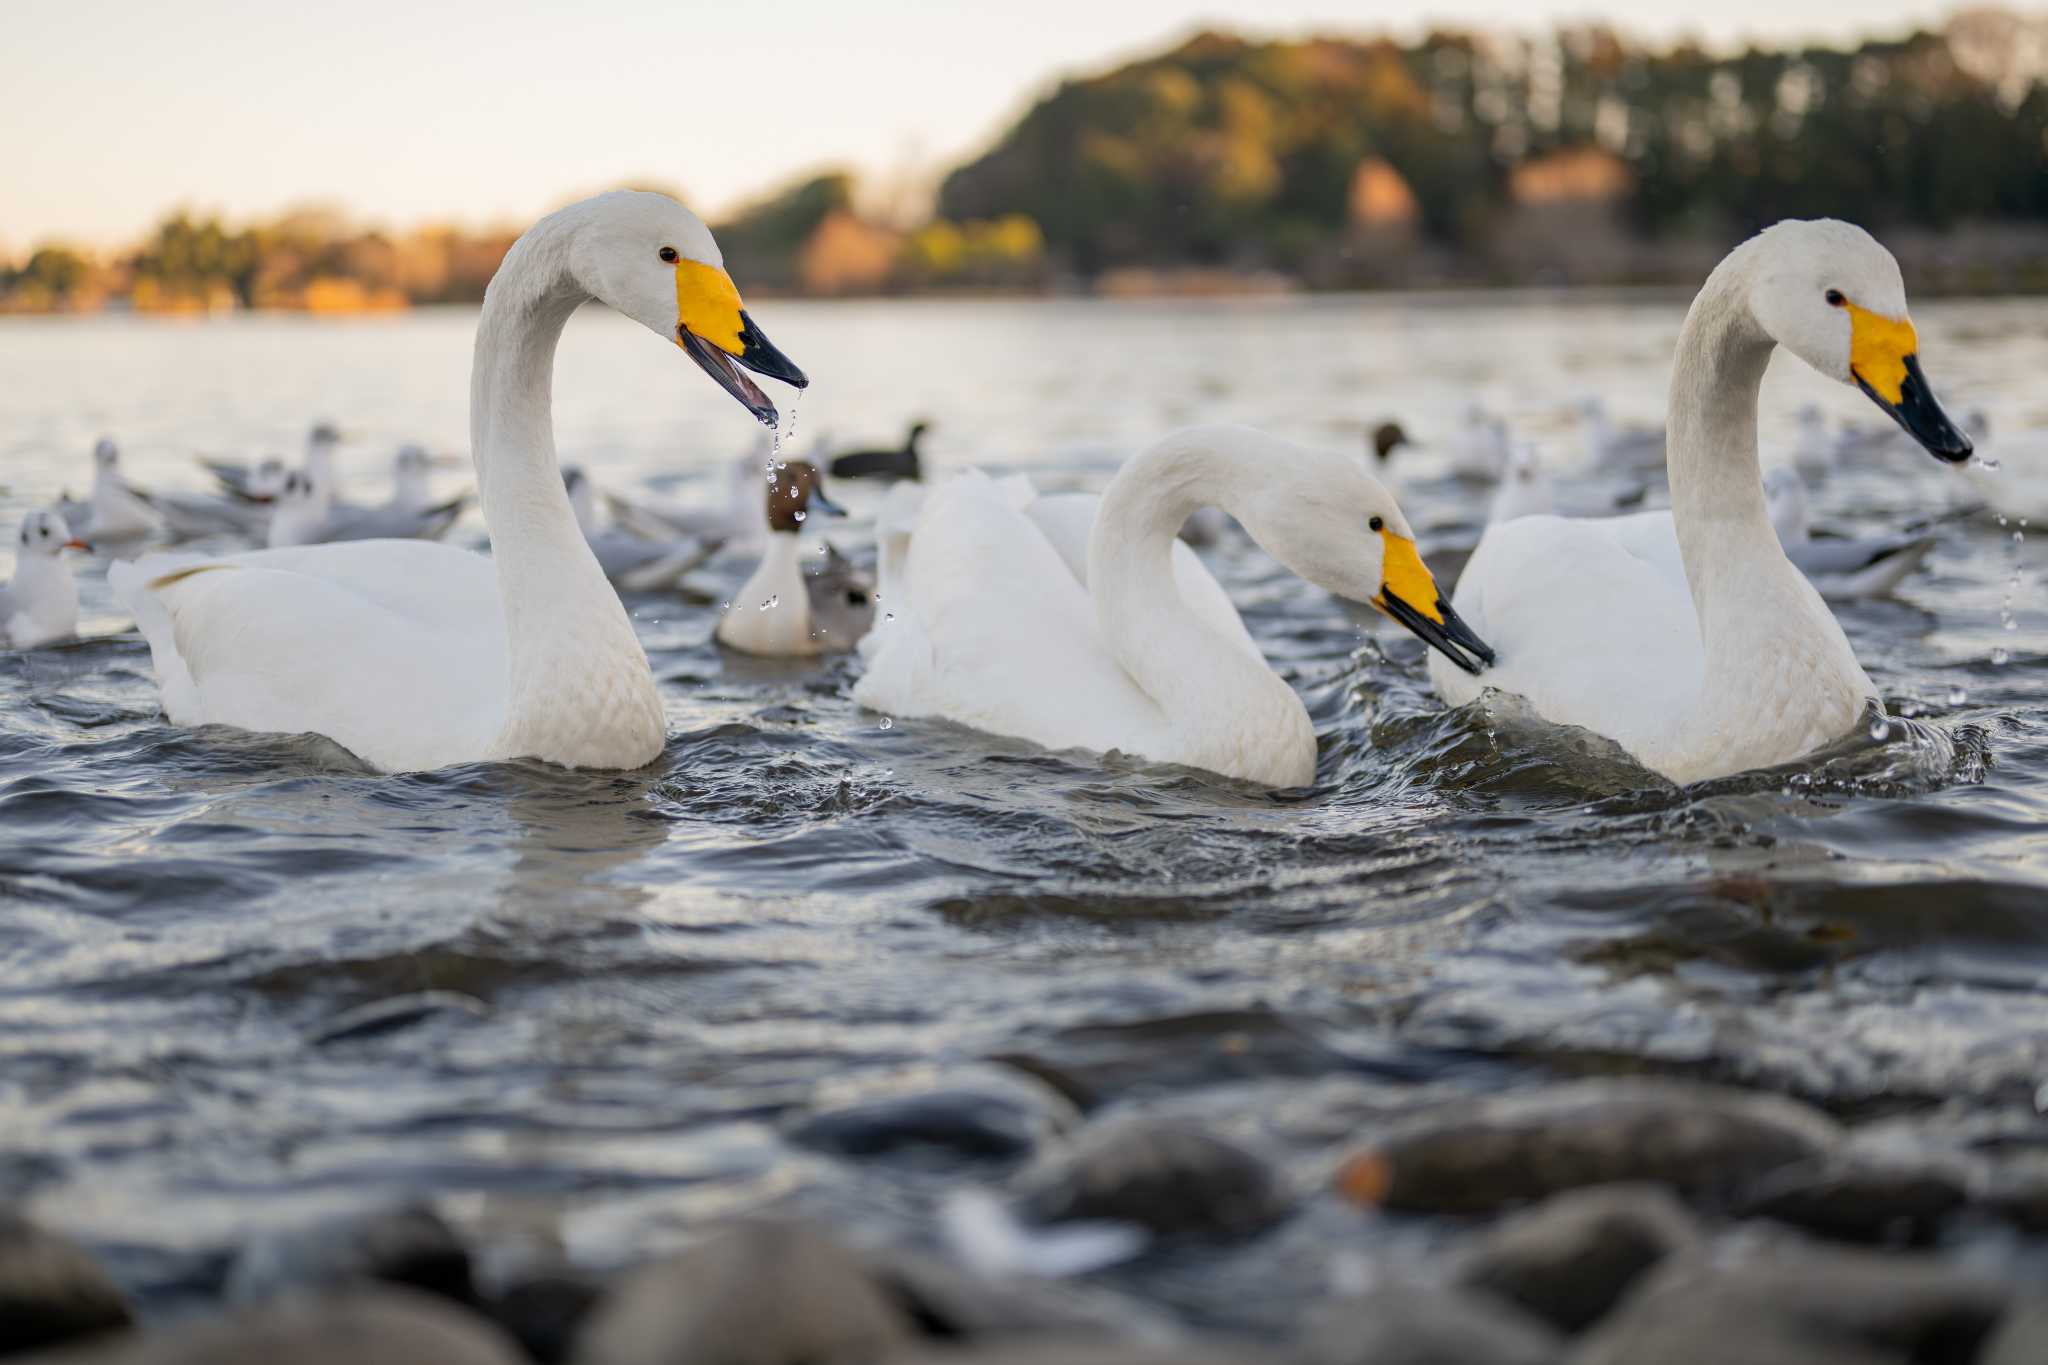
x=1999, y=656
x=887, y=724
x=771, y=602
x=2019, y=537
x=799, y=515
x=1957, y=696
x=1881, y=729
x=1987, y=463
x=2012, y=623
x=888, y=616
x=2002, y=521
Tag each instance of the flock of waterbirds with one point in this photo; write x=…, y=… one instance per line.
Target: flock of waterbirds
x=1695, y=635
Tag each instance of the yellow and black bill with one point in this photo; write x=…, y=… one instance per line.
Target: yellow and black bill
x=717, y=333
x=1884, y=359
x=1409, y=595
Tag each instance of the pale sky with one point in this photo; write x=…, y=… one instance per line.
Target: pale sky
x=404, y=111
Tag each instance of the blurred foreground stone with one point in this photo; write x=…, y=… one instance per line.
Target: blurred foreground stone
x=51, y=1292
x=363, y=1327
x=1569, y=1259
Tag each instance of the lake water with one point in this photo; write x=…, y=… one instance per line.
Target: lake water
x=798, y=908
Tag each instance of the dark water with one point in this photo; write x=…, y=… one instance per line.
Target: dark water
x=220, y=954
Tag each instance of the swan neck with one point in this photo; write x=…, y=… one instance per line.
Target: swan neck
x=566, y=631
x=1217, y=700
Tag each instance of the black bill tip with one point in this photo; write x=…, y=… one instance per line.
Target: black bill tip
x=758, y=354
x=1921, y=417
x=720, y=367
x=1453, y=639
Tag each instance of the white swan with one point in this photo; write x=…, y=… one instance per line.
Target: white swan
x=1844, y=568
x=1084, y=623
x=417, y=655
x=783, y=611
x=1687, y=636
x=41, y=604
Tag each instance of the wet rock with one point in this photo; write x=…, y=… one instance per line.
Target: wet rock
x=1869, y=1204
x=1707, y=1142
x=952, y=1304
x=2021, y=1339
x=1426, y=1327
x=1811, y=1304
x=410, y=1245
x=51, y=1292
x=1040, y=1351
x=1571, y=1258
x=544, y=1310
x=766, y=1293
x=973, y=1123
x=387, y=1326
x=1096, y=1063
x=1173, y=1180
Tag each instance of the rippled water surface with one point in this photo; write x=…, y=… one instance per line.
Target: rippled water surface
x=646, y=980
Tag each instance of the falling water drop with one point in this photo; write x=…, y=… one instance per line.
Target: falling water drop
x=1987, y=463
x=2019, y=537
x=887, y=724
x=1957, y=696
x=888, y=616
x=799, y=515
x=1999, y=656
x=1881, y=728
x=773, y=601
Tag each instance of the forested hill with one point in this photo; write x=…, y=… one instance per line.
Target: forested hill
x=1230, y=151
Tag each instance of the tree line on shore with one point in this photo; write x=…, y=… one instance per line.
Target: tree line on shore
x=1461, y=157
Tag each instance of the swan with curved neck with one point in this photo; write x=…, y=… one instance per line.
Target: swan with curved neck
x=1687, y=636
x=1083, y=623
x=415, y=655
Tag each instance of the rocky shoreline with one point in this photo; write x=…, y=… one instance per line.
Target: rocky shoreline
x=1597, y=1222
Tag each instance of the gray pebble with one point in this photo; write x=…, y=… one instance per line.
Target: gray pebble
x=1415, y=1326
x=51, y=1292
x=1174, y=1180
x=764, y=1293
x=1570, y=1259
x=385, y=1326
x=1706, y=1142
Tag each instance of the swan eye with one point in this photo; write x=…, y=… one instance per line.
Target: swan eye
x=1377, y=524
x=1835, y=299
x=668, y=253
x=856, y=598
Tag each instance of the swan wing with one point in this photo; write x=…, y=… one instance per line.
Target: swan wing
x=1592, y=622
x=393, y=649
x=994, y=631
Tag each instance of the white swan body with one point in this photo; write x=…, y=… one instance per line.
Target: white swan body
x=41, y=603
x=1000, y=624
x=1688, y=637
x=416, y=655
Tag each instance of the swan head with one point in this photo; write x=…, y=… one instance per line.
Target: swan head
x=655, y=261
x=1830, y=294
x=1387, y=438
x=792, y=491
x=46, y=535
x=1338, y=527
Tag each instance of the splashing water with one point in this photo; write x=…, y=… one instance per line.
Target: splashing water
x=1957, y=696
x=771, y=602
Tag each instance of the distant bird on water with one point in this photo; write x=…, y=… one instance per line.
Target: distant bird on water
x=896, y=463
